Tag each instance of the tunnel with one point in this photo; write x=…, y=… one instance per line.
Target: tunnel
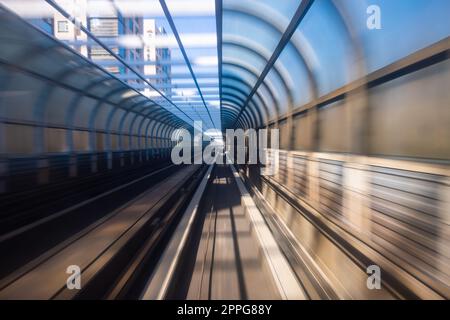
x=227, y=149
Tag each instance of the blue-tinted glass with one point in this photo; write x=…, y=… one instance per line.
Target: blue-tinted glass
x=406, y=26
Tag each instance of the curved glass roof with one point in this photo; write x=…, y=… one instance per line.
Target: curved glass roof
x=227, y=63
x=291, y=55
x=164, y=50
x=39, y=54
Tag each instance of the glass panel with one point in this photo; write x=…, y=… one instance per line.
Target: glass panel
x=136, y=32
x=294, y=70
x=406, y=26
x=251, y=31
x=278, y=87
x=331, y=56
x=196, y=27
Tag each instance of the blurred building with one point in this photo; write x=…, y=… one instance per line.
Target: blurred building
x=161, y=69
x=65, y=30
x=107, y=26
x=117, y=31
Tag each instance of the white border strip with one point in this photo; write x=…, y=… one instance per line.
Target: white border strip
x=288, y=286
x=172, y=254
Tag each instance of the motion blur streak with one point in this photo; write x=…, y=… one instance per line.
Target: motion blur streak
x=91, y=92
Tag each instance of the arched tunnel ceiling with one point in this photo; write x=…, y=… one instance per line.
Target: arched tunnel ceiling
x=279, y=56
x=273, y=57
x=61, y=67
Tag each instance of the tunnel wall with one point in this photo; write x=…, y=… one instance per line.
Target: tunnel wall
x=390, y=206
x=62, y=116
x=36, y=152
x=18, y=103
x=350, y=212
x=409, y=117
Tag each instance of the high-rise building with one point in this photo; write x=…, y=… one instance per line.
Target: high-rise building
x=107, y=25
x=160, y=69
x=65, y=30
x=109, y=28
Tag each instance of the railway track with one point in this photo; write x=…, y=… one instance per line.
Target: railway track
x=21, y=208
x=107, y=250
x=20, y=245
x=222, y=249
